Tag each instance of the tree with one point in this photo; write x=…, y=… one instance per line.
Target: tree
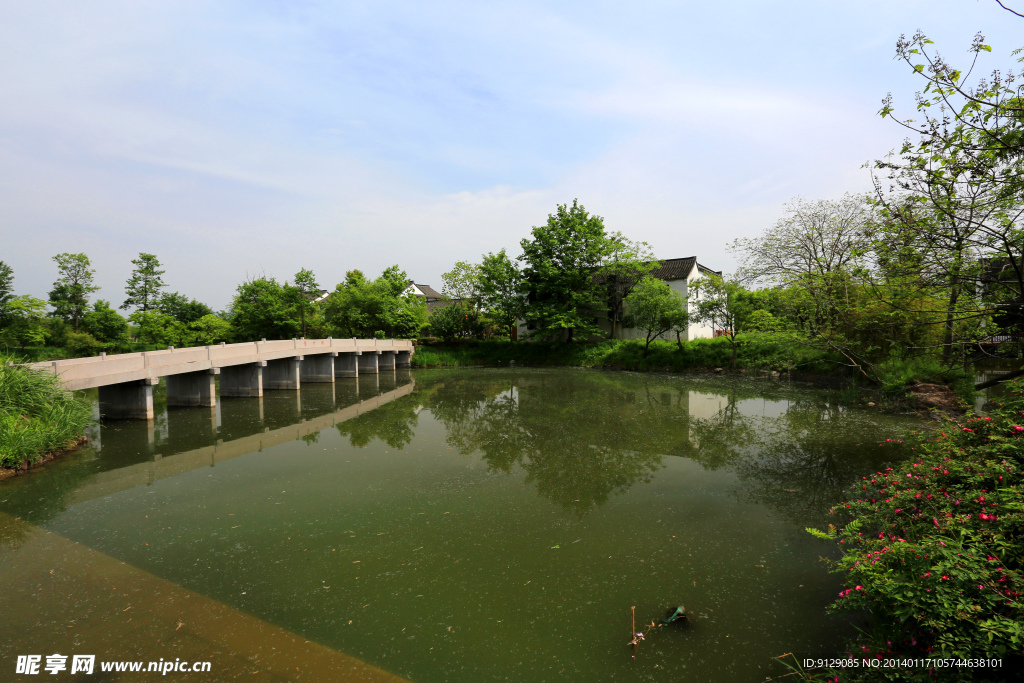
x=655, y=308
x=501, y=290
x=181, y=308
x=359, y=307
x=716, y=304
x=70, y=294
x=6, y=290
x=211, y=329
x=958, y=189
x=457, y=320
x=462, y=283
x=561, y=268
x=262, y=309
x=626, y=264
x=104, y=323
x=24, y=321
x=305, y=283
x=144, y=285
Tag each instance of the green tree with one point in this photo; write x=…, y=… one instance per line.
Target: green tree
x=655, y=308
x=105, y=324
x=262, y=309
x=163, y=329
x=305, y=283
x=501, y=290
x=6, y=290
x=70, y=294
x=716, y=305
x=211, y=329
x=24, y=321
x=456, y=320
x=143, y=287
x=561, y=267
x=359, y=307
x=181, y=308
x=625, y=266
x=462, y=283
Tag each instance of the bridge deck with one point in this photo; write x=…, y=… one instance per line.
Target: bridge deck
x=99, y=371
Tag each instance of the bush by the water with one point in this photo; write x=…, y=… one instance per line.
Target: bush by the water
x=932, y=549
x=756, y=351
x=37, y=416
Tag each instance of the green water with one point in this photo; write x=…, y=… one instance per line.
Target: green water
x=491, y=524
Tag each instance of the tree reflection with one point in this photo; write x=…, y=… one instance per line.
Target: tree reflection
x=393, y=423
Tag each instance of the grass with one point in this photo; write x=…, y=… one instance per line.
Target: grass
x=37, y=416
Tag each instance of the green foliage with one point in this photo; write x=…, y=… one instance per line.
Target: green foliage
x=762, y=320
x=55, y=331
x=211, y=329
x=562, y=261
x=457, y=320
x=359, y=307
x=36, y=415
x=179, y=307
x=163, y=330
x=462, y=283
x=144, y=285
x=24, y=322
x=6, y=289
x=501, y=290
x=262, y=309
x=655, y=308
x=307, y=287
x=82, y=345
x=106, y=324
x=70, y=293
x=932, y=548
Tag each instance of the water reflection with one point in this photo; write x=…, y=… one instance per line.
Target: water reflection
x=581, y=438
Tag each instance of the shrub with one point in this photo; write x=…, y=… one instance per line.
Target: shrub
x=37, y=415
x=932, y=548
x=82, y=344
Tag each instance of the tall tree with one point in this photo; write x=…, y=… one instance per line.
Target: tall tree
x=6, y=290
x=70, y=294
x=305, y=283
x=562, y=264
x=501, y=290
x=143, y=287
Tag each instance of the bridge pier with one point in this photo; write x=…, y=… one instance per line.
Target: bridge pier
x=282, y=373
x=346, y=365
x=242, y=380
x=317, y=368
x=403, y=359
x=386, y=361
x=193, y=388
x=368, y=363
x=128, y=401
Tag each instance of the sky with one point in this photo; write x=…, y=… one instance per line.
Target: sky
x=239, y=139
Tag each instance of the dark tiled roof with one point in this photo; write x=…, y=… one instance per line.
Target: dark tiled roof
x=430, y=292
x=675, y=268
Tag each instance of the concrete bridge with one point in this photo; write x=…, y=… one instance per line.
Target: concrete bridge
x=125, y=381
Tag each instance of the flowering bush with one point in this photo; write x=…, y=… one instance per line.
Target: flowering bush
x=933, y=548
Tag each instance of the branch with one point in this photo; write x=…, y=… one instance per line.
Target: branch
x=999, y=2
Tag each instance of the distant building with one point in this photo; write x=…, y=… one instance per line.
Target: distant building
x=434, y=298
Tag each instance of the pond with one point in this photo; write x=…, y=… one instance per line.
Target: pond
x=436, y=525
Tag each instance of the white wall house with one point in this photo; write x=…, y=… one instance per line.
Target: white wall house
x=678, y=273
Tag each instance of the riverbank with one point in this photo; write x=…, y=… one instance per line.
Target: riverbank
x=932, y=549
x=755, y=352
x=38, y=418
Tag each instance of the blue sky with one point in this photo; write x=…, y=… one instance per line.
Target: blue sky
x=240, y=138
